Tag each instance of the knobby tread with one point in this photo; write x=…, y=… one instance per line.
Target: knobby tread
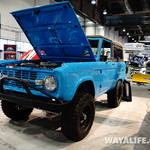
x=70, y=117
x=11, y=111
x=114, y=96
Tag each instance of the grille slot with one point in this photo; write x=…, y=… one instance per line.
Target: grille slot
x=18, y=74
x=33, y=75
x=5, y=72
x=11, y=73
x=16, y=84
x=9, y=83
x=27, y=75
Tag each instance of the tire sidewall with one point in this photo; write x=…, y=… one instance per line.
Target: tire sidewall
x=119, y=92
x=115, y=95
x=11, y=111
x=71, y=116
x=90, y=104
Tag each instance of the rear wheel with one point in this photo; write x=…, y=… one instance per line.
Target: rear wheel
x=78, y=116
x=15, y=111
x=114, y=96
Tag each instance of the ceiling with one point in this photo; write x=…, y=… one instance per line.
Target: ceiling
x=131, y=15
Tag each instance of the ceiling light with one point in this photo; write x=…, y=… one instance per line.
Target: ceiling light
x=93, y=2
x=132, y=38
x=100, y=27
x=105, y=12
x=127, y=33
x=124, y=30
x=90, y=22
x=129, y=36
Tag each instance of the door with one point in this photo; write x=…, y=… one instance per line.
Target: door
x=108, y=68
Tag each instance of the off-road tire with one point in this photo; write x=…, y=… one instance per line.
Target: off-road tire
x=14, y=111
x=78, y=116
x=114, y=96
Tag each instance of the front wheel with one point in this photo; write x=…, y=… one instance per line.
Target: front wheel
x=114, y=96
x=78, y=116
x=15, y=111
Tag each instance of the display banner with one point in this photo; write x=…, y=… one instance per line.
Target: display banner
x=9, y=52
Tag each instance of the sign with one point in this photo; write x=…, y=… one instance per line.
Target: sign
x=147, y=47
x=134, y=46
x=9, y=52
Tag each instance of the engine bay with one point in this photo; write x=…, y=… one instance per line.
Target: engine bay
x=39, y=64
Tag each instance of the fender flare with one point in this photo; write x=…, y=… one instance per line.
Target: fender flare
x=80, y=81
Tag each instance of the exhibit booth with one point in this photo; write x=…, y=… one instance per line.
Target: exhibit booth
x=136, y=62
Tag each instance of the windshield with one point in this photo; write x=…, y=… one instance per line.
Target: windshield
x=94, y=46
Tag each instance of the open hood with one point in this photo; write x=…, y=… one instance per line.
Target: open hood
x=55, y=32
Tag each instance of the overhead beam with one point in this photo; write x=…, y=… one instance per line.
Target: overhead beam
x=127, y=20
x=146, y=27
x=132, y=28
x=138, y=12
x=127, y=28
x=137, y=34
x=113, y=1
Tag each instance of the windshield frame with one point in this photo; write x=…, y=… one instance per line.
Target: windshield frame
x=98, y=47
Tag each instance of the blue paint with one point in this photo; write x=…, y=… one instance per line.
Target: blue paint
x=55, y=32
x=57, y=36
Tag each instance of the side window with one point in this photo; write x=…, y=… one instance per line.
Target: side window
x=118, y=53
x=105, y=51
x=94, y=45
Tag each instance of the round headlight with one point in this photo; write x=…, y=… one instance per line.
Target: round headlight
x=50, y=83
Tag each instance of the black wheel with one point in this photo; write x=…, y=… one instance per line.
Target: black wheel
x=114, y=96
x=78, y=116
x=15, y=111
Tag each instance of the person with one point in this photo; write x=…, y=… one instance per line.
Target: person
x=108, y=54
x=144, y=64
x=148, y=68
x=140, y=63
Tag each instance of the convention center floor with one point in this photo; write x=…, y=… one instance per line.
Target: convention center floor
x=122, y=128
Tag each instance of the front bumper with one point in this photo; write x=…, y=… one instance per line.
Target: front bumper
x=50, y=104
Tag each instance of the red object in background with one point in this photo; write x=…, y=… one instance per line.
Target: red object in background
x=9, y=52
x=30, y=54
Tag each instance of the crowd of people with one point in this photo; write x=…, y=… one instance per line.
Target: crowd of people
x=142, y=62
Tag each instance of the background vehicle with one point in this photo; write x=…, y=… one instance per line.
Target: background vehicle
x=71, y=70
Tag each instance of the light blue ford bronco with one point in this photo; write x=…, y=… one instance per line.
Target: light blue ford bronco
x=71, y=72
